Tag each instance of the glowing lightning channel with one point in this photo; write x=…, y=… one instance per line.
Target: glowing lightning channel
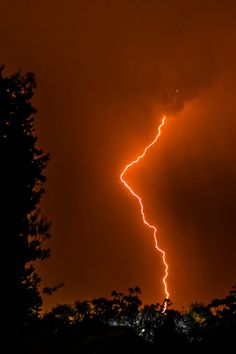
x=142, y=208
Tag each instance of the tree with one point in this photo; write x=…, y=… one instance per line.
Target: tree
x=23, y=226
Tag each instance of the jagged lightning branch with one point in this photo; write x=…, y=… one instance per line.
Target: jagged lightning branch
x=142, y=208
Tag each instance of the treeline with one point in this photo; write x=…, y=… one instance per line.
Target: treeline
x=201, y=328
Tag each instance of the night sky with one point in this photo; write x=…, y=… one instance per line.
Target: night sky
x=107, y=71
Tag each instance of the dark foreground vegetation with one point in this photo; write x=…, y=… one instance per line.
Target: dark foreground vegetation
x=119, y=324
x=122, y=324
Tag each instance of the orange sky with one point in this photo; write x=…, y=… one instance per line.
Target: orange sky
x=106, y=72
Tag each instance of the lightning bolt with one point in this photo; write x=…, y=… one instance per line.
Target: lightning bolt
x=154, y=229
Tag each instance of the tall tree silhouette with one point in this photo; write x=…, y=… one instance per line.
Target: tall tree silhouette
x=21, y=188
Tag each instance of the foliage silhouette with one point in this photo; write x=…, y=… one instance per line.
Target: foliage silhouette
x=22, y=178
x=202, y=328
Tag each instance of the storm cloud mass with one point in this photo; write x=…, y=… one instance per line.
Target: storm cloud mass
x=107, y=71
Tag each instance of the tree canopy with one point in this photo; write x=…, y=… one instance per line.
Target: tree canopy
x=23, y=226
x=202, y=328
